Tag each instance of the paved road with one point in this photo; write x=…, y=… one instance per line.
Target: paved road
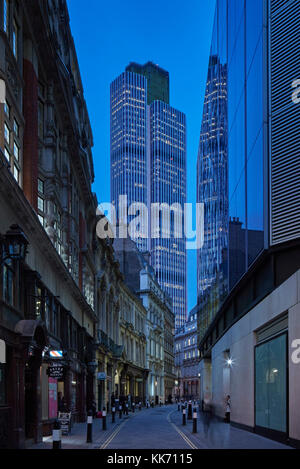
x=151, y=429
x=161, y=428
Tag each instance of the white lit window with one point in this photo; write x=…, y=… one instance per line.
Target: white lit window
x=6, y=133
x=41, y=204
x=16, y=152
x=42, y=220
x=16, y=173
x=7, y=154
x=7, y=109
x=41, y=186
x=16, y=128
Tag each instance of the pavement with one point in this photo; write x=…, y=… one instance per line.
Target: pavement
x=161, y=428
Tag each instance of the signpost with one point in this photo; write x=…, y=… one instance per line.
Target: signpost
x=65, y=422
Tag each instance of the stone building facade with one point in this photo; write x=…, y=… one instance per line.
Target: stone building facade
x=132, y=376
x=65, y=295
x=47, y=302
x=187, y=359
x=160, y=321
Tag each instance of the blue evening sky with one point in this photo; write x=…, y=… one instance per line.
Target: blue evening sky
x=174, y=34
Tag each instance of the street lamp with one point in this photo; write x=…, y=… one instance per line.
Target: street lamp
x=14, y=245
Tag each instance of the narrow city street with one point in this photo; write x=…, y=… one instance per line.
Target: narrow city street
x=161, y=428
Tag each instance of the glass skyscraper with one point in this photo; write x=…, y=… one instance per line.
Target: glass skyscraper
x=148, y=164
x=249, y=181
x=231, y=153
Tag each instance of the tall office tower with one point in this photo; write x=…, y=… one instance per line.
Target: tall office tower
x=148, y=165
x=212, y=177
x=245, y=343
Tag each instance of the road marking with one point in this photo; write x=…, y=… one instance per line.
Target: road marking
x=183, y=436
x=113, y=435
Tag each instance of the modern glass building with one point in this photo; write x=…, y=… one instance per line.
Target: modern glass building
x=249, y=317
x=148, y=164
x=212, y=177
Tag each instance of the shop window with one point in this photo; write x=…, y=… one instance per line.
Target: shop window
x=271, y=384
x=38, y=304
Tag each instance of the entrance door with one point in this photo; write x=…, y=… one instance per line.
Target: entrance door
x=30, y=398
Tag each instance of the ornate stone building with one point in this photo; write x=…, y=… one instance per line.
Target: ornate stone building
x=63, y=297
x=132, y=376
x=169, y=354
x=187, y=359
x=141, y=280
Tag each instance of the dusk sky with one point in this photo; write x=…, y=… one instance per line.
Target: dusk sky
x=174, y=34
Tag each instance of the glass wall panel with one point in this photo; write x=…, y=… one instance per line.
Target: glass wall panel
x=255, y=97
x=222, y=33
x=271, y=385
x=236, y=73
x=255, y=200
x=254, y=27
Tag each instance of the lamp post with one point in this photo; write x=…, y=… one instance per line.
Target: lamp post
x=14, y=245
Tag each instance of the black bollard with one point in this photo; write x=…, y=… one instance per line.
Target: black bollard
x=113, y=413
x=184, y=416
x=56, y=435
x=126, y=408
x=133, y=407
x=195, y=420
x=89, y=431
x=178, y=407
x=104, y=419
x=120, y=411
x=140, y=405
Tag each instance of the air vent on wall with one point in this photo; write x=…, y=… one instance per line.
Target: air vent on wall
x=285, y=119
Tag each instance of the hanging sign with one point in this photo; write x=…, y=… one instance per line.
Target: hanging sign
x=56, y=371
x=101, y=376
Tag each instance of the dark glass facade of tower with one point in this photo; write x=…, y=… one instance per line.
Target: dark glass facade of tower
x=231, y=168
x=212, y=175
x=148, y=164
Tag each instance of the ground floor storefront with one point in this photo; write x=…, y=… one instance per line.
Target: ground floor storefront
x=118, y=380
x=257, y=363
x=30, y=399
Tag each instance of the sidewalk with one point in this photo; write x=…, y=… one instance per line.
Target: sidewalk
x=77, y=438
x=219, y=435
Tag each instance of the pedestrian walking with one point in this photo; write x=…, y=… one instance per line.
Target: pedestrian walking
x=207, y=416
x=227, y=409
